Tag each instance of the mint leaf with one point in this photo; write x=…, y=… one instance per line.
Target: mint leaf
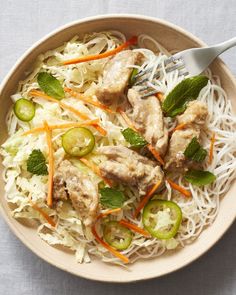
x=194, y=151
x=186, y=90
x=133, y=138
x=50, y=85
x=36, y=163
x=111, y=198
x=192, y=148
x=200, y=155
x=199, y=177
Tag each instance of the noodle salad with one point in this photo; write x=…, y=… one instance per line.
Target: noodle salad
x=106, y=172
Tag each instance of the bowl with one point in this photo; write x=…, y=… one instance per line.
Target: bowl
x=173, y=38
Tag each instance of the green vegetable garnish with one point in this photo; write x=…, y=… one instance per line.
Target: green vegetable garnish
x=36, y=163
x=50, y=85
x=132, y=76
x=199, y=177
x=200, y=155
x=133, y=138
x=24, y=109
x=187, y=90
x=194, y=151
x=116, y=235
x=111, y=198
x=78, y=141
x=162, y=218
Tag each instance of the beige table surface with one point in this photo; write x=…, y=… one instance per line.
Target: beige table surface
x=22, y=22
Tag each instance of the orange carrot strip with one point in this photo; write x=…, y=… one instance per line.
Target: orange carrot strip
x=126, y=118
x=146, y=198
x=179, y=188
x=108, y=247
x=179, y=127
x=44, y=214
x=155, y=154
x=67, y=107
x=95, y=169
x=35, y=130
x=159, y=95
x=61, y=126
x=213, y=138
x=108, y=212
x=134, y=228
x=88, y=100
x=51, y=164
x=101, y=130
x=131, y=41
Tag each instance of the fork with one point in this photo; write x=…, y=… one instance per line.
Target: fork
x=190, y=62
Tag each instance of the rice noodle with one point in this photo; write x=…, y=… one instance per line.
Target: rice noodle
x=198, y=211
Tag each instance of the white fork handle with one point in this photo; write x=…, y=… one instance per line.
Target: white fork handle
x=220, y=48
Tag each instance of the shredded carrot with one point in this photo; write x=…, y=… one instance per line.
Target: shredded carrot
x=146, y=198
x=134, y=227
x=179, y=188
x=61, y=126
x=213, y=138
x=126, y=118
x=108, y=212
x=96, y=170
x=159, y=95
x=155, y=154
x=101, y=130
x=51, y=164
x=67, y=107
x=35, y=130
x=108, y=247
x=88, y=100
x=44, y=214
x=131, y=41
x=179, y=127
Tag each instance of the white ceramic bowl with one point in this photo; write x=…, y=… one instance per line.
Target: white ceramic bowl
x=173, y=38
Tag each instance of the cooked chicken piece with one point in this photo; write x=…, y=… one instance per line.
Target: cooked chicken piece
x=196, y=113
x=147, y=117
x=116, y=76
x=195, y=117
x=59, y=187
x=81, y=190
x=179, y=141
x=128, y=167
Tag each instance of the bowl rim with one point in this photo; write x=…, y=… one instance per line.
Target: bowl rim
x=127, y=16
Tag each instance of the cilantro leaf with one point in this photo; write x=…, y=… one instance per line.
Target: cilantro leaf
x=36, y=163
x=133, y=138
x=186, y=90
x=111, y=198
x=50, y=85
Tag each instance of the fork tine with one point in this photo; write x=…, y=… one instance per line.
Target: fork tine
x=176, y=66
x=149, y=93
x=166, y=62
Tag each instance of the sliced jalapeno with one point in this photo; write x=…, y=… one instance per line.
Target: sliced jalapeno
x=78, y=141
x=116, y=235
x=162, y=218
x=24, y=109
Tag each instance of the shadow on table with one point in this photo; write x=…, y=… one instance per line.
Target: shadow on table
x=214, y=273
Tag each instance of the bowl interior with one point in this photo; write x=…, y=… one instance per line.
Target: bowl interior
x=173, y=38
